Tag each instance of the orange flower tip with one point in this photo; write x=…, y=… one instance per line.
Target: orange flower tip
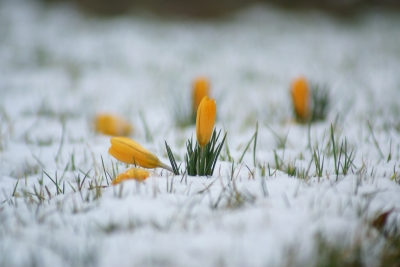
x=132, y=174
x=205, y=120
x=301, y=98
x=113, y=125
x=201, y=88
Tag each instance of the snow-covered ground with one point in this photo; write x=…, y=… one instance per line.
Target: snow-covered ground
x=59, y=68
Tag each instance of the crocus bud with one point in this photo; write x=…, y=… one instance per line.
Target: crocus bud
x=128, y=151
x=201, y=88
x=301, y=99
x=112, y=125
x=132, y=173
x=205, y=120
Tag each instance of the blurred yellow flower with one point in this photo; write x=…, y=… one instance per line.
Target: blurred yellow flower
x=205, y=120
x=301, y=99
x=201, y=88
x=128, y=151
x=132, y=173
x=112, y=125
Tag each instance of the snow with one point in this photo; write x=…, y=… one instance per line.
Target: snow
x=59, y=68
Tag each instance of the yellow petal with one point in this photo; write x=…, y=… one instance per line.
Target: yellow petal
x=120, y=156
x=301, y=98
x=128, y=151
x=112, y=125
x=201, y=88
x=132, y=173
x=205, y=120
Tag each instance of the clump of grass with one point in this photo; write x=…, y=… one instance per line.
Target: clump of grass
x=201, y=161
x=79, y=182
x=320, y=102
x=264, y=169
x=97, y=189
x=303, y=173
x=57, y=183
x=289, y=168
x=175, y=167
x=319, y=159
x=343, y=157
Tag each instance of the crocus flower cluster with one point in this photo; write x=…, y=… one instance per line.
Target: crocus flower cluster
x=201, y=158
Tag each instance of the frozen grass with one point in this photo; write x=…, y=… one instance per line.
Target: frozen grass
x=282, y=194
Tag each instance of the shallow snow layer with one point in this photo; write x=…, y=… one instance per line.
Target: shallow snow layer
x=58, y=68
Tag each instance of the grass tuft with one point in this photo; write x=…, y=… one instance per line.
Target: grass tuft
x=172, y=160
x=321, y=102
x=201, y=161
x=343, y=157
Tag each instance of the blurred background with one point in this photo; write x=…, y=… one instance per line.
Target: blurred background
x=212, y=8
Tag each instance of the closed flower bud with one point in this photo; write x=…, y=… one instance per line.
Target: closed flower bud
x=112, y=125
x=301, y=99
x=201, y=88
x=205, y=120
x=128, y=151
x=132, y=173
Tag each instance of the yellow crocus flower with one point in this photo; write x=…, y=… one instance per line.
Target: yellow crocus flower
x=201, y=88
x=112, y=125
x=205, y=120
x=126, y=150
x=132, y=173
x=301, y=99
